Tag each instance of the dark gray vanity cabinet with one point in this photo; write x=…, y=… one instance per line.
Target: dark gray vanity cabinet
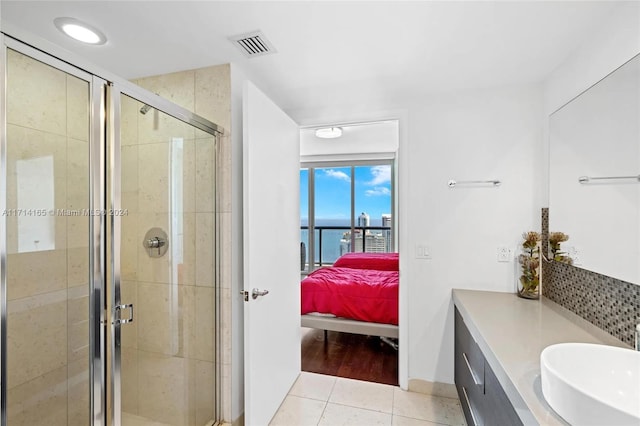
x=483, y=400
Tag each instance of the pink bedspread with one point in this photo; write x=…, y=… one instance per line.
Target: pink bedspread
x=379, y=261
x=360, y=294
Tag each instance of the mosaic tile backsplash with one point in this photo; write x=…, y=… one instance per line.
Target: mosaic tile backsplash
x=610, y=304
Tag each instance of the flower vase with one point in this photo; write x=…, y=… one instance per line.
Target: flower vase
x=528, y=273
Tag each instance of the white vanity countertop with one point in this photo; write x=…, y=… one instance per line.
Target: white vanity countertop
x=512, y=332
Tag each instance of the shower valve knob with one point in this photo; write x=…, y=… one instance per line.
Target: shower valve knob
x=156, y=242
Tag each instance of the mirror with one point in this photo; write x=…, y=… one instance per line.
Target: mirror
x=594, y=193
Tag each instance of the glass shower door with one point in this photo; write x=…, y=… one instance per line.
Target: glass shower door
x=166, y=356
x=48, y=244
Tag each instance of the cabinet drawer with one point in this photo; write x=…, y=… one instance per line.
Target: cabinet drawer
x=473, y=406
x=469, y=358
x=497, y=403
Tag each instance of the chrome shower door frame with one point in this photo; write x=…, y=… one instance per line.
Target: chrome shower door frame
x=106, y=90
x=97, y=227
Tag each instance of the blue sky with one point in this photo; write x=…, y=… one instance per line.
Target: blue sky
x=333, y=192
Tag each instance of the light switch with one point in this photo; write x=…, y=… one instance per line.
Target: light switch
x=423, y=252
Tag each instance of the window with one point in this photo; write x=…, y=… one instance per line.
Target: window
x=345, y=208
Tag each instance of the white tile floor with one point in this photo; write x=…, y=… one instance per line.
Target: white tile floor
x=318, y=400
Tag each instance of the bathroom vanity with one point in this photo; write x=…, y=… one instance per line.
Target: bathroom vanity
x=498, y=341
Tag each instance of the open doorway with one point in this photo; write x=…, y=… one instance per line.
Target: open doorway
x=348, y=251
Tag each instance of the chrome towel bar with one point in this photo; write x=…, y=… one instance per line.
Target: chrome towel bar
x=453, y=183
x=587, y=179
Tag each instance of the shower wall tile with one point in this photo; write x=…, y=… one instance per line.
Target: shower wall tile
x=129, y=246
x=178, y=87
x=78, y=232
x=129, y=111
x=169, y=388
x=610, y=304
x=226, y=391
x=205, y=174
x=166, y=319
x=205, y=377
x=187, y=270
x=205, y=249
x=224, y=175
x=77, y=175
x=158, y=127
x=224, y=257
x=28, y=105
x=35, y=273
x=77, y=108
x=36, y=337
x=205, y=319
x=129, y=294
x=78, y=266
x=78, y=341
x=129, y=169
x=153, y=177
x=226, y=326
x=189, y=176
x=45, y=397
x=213, y=94
x=129, y=383
x=183, y=383
x=77, y=304
x=78, y=323
x=78, y=392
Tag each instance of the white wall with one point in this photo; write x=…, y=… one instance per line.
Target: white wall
x=483, y=134
x=616, y=41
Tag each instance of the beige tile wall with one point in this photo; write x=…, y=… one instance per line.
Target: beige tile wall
x=169, y=358
x=48, y=115
x=169, y=362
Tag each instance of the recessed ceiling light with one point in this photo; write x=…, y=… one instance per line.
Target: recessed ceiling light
x=80, y=31
x=329, y=132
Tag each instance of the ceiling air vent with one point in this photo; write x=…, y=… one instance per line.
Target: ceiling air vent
x=253, y=44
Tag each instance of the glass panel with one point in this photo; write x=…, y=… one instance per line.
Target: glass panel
x=304, y=219
x=47, y=244
x=332, y=213
x=373, y=209
x=168, y=352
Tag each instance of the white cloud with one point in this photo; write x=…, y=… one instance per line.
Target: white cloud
x=381, y=175
x=337, y=174
x=377, y=191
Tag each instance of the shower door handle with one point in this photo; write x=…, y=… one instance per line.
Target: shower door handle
x=119, y=309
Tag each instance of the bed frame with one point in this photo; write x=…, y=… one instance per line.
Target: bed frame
x=349, y=326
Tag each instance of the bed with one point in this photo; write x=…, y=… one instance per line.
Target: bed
x=358, y=294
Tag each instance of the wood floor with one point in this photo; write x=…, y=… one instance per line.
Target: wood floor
x=353, y=356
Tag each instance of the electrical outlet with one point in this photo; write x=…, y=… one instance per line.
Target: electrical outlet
x=504, y=254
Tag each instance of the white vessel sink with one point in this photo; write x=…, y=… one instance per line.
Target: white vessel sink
x=588, y=384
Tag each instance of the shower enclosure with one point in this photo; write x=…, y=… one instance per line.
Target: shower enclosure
x=108, y=296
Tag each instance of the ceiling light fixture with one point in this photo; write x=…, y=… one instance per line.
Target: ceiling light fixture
x=80, y=31
x=329, y=132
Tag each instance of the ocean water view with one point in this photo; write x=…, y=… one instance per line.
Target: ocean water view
x=330, y=238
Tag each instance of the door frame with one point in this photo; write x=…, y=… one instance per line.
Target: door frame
x=344, y=119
